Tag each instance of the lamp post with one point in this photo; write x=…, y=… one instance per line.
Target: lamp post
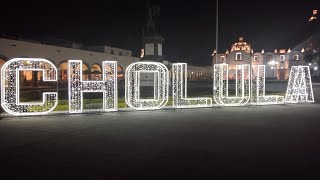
x=217, y=31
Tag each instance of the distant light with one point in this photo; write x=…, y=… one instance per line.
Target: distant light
x=312, y=18
x=314, y=15
x=310, y=64
x=314, y=12
x=214, y=52
x=315, y=68
x=142, y=53
x=272, y=62
x=302, y=50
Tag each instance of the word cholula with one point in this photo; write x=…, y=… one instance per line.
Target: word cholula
x=250, y=86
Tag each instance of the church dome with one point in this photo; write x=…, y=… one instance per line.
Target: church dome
x=241, y=46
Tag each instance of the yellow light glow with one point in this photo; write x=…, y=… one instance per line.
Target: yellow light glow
x=241, y=46
x=214, y=52
x=314, y=12
x=314, y=15
x=142, y=53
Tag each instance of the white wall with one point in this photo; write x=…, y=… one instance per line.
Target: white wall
x=149, y=49
x=13, y=49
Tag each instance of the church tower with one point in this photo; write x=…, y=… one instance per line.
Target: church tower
x=152, y=40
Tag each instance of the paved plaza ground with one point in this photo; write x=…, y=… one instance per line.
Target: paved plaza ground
x=259, y=142
x=251, y=142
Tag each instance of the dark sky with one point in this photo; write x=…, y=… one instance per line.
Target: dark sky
x=188, y=27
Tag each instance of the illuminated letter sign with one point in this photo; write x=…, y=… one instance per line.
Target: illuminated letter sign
x=179, y=89
x=299, y=85
x=108, y=86
x=220, y=85
x=10, y=72
x=160, y=83
x=258, y=96
x=248, y=85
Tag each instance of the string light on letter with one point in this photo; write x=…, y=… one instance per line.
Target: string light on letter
x=299, y=85
x=10, y=98
x=258, y=96
x=108, y=86
x=220, y=85
x=132, y=85
x=179, y=89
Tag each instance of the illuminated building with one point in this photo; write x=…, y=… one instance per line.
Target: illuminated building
x=277, y=62
x=152, y=50
x=59, y=54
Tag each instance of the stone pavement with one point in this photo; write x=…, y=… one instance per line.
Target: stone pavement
x=252, y=142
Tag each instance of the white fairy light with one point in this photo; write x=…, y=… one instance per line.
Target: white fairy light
x=220, y=85
x=258, y=96
x=108, y=86
x=179, y=89
x=10, y=99
x=299, y=85
x=132, y=85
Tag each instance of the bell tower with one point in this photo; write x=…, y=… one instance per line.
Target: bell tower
x=152, y=40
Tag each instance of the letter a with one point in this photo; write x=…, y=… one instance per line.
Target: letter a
x=299, y=85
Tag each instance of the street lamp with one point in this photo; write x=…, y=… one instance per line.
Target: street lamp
x=217, y=31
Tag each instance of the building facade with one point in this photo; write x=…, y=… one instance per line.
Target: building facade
x=91, y=57
x=278, y=63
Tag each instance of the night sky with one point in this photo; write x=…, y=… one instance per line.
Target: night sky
x=188, y=27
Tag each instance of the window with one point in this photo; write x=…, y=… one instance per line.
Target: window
x=269, y=58
x=296, y=57
x=255, y=58
x=120, y=53
x=282, y=58
x=238, y=56
x=222, y=59
x=112, y=51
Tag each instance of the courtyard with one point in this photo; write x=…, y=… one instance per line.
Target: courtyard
x=262, y=142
